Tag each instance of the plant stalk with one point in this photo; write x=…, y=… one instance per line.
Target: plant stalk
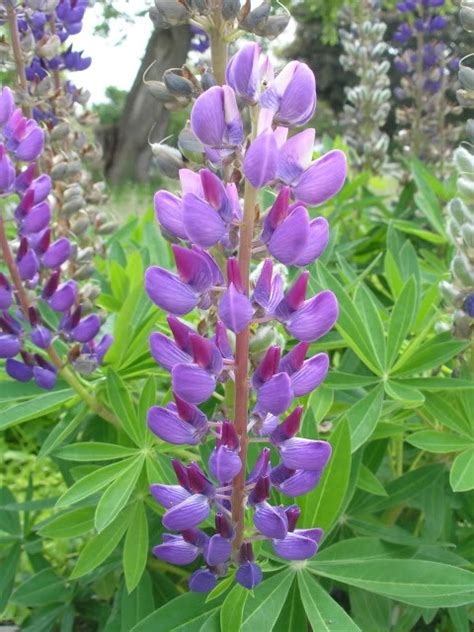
x=65, y=372
x=218, y=52
x=18, y=55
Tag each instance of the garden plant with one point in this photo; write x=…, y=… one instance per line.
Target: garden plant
x=248, y=403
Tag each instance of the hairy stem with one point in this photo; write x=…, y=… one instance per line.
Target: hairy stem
x=218, y=53
x=18, y=55
x=65, y=372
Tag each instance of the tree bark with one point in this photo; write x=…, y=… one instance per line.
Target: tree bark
x=127, y=155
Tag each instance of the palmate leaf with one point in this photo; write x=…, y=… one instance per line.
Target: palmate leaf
x=416, y=582
x=292, y=617
x=42, y=404
x=435, y=353
x=232, y=610
x=437, y=442
x=42, y=589
x=136, y=548
x=122, y=405
x=461, y=476
x=92, y=451
x=401, y=319
x=137, y=605
x=324, y=614
x=70, y=524
x=364, y=415
x=263, y=610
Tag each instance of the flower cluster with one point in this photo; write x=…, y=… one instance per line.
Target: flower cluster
x=35, y=306
x=427, y=66
x=368, y=102
x=459, y=292
x=215, y=236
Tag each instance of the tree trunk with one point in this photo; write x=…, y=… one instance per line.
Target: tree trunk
x=126, y=151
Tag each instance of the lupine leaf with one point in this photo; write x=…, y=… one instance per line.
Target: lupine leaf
x=409, y=396
x=121, y=403
x=63, y=429
x=135, y=550
x=433, y=354
x=42, y=404
x=324, y=614
x=416, y=582
x=232, y=610
x=364, y=415
x=137, y=605
x=117, y=494
x=461, y=476
x=437, y=442
x=9, y=564
x=369, y=482
x=70, y=524
x=320, y=508
x=41, y=589
x=401, y=319
x=263, y=610
x=92, y=451
x=371, y=317
x=292, y=617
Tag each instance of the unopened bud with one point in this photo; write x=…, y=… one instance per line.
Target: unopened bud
x=59, y=171
x=50, y=48
x=467, y=233
x=190, y=146
x=168, y=159
x=462, y=270
x=80, y=225
x=177, y=84
x=466, y=76
x=108, y=228
x=85, y=255
x=466, y=16
x=84, y=272
x=464, y=161
x=60, y=131
x=73, y=206
x=449, y=292
x=230, y=9
x=90, y=291
x=207, y=80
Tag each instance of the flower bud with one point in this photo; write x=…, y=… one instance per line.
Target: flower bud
x=462, y=270
x=230, y=9
x=464, y=161
x=466, y=16
x=168, y=159
x=177, y=84
x=50, y=48
x=60, y=131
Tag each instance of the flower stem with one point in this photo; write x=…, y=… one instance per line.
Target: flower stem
x=65, y=372
x=241, y=371
x=18, y=55
x=218, y=53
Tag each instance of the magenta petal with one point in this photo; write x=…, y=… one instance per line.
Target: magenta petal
x=195, y=267
x=295, y=547
x=275, y=395
x=290, y=237
x=311, y=374
x=271, y=521
x=169, y=213
x=187, y=514
x=176, y=551
x=217, y=550
x=323, y=179
x=261, y=160
x=202, y=222
x=7, y=105
x=170, y=428
x=318, y=239
x=305, y=454
x=168, y=495
x=192, y=383
x=168, y=292
x=315, y=318
x=295, y=156
x=235, y=310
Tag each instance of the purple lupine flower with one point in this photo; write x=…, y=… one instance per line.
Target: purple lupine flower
x=178, y=423
x=7, y=171
x=224, y=461
x=6, y=295
x=291, y=97
x=20, y=371
x=235, y=309
x=249, y=574
x=215, y=118
x=243, y=73
x=202, y=580
x=9, y=345
x=7, y=105
x=23, y=137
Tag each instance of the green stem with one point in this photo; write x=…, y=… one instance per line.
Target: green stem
x=18, y=55
x=218, y=53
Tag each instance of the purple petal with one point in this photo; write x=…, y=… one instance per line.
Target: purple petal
x=290, y=237
x=311, y=374
x=224, y=464
x=176, y=551
x=295, y=157
x=31, y=146
x=270, y=521
x=260, y=161
x=168, y=495
x=243, y=73
x=235, y=130
x=294, y=482
x=9, y=346
x=318, y=239
x=7, y=105
x=295, y=547
x=192, y=383
x=87, y=329
x=202, y=222
x=57, y=253
x=305, y=454
x=235, y=310
x=195, y=267
x=315, y=318
x=207, y=117
x=170, y=428
x=45, y=378
x=169, y=213
x=166, y=352
x=28, y=266
x=323, y=179
x=191, y=182
x=275, y=395
x=314, y=534
x=218, y=550
x=249, y=575
x=37, y=219
x=202, y=581
x=42, y=187
x=18, y=370
x=168, y=291
x=41, y=337
x=64, y=297
x=187, y=514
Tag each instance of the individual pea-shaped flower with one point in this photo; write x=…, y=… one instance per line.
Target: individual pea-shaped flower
x=268, y=292
x=181, y=549
x=178, y=422
x=7, y=105
x=244, y=72
x=40, y=335
x=52, y=255
x=44, y=373
x=7, y=171
x=6, y=294
x=294, y=482
x=291, y=96
x=235, y=309
x=10, y=345
x=249, y=574
x=224, y=461
x=26, y=261
x=298, y=544
x=179, y=294
x=215, y=119
x=307, y=320
x=202, y=581
x=24, y=138
x=32, y=217
x=80, y=329
x=59, y=297
x=297, y=453
x=289, y=233
x=187, y=504
x=22, y=371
